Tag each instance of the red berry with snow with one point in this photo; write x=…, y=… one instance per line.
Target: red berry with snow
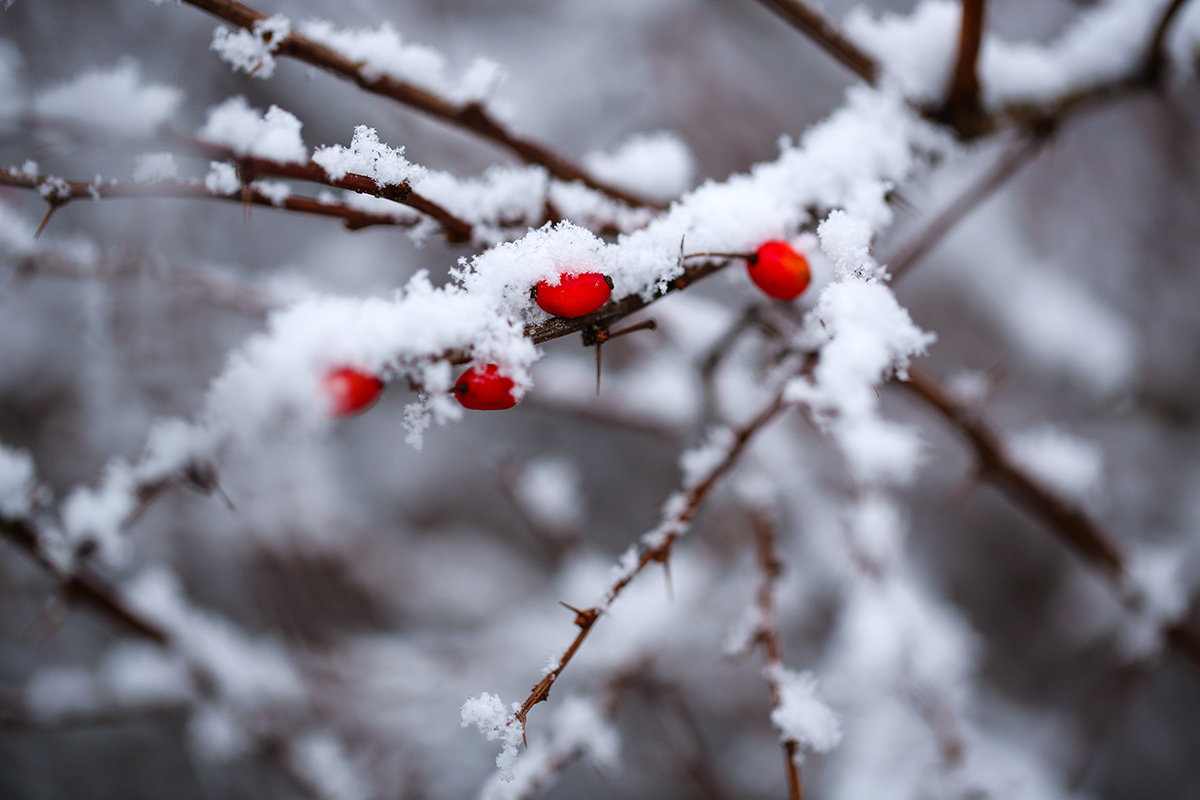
x=485, y=389
x=779, y=270
x=351, y=390
x=574, y=295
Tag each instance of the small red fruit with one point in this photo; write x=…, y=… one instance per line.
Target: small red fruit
x=779, y=270
x=484, y=389
x=574, y=295
x=351, y=390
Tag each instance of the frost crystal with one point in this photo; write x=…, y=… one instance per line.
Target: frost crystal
x=368, y=156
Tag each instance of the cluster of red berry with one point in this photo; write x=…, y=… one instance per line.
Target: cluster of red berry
x=775, y=268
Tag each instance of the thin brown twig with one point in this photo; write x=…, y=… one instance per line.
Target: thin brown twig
x=659, y=551
x=1066, y=521
x=770, y=568
x=817, y=27
x=971, y=198
x=470, y=116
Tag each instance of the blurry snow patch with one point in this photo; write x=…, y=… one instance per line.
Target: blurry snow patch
x=1158, y=592
x=1056, y=323
x=969, y=388
x=382, y=52
x=549, y=491
x=274, y=135
x=215, y=735
x=252, y=51
x=16, y=482
x=112, y=100
x=578, y=729
x=802, y=715
x=275, y=191
x=917, y=49
x=596, y=210
x=11, y=90
x=368, y=156
x=699, y=463
x=56, y=693
x=876, y=527
x=142, y=675
x=322, y=762
x=1070, y=467
x=1103, y=44
x=657, y=165
x=222, y=178
x=155, y=167
x=1183, y=40
x=251, y=673
x=892, y=633
x=744, y=633
x=487, y=713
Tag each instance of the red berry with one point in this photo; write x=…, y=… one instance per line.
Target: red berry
x=484, y=389
x=351, y=390
x=779, y=270
x=575, y=295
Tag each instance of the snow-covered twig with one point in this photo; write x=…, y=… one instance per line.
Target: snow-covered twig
x=770, y=568
x=59, y=192
x=471, y=116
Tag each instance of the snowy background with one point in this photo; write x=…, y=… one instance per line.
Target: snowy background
x=354, y=609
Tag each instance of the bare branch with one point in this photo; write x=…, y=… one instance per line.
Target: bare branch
x=770, y=568
x=962, y=109
x=1066, y=521
x=58, y=193
x=826, y=35
x=472, y=116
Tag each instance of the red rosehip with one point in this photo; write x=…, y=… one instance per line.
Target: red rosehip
x=779, y=270
x=350, y=390
x=484, y=389
x=575, y=295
